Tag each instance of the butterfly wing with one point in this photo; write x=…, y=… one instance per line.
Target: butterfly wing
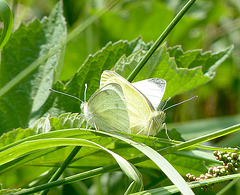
x=153, y=89
x=139, y=108
x=144, y=118
x=107, y=110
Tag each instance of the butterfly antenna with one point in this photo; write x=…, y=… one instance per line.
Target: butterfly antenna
x=85, y=92
x=166, y=103
x=181, y=102
x=65, y=94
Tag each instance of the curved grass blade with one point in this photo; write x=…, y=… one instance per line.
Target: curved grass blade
x=6, y=15
x=160, y=161
x=31, y=146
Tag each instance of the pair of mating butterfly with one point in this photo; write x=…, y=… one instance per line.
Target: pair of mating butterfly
x=126, y=107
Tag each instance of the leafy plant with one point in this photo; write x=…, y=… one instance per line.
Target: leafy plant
x=38, y=130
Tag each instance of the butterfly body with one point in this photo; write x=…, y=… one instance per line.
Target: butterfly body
x=151, y=125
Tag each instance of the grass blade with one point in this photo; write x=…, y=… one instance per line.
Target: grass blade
x=6, y=15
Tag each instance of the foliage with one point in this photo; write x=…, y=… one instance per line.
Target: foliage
x=38, y=129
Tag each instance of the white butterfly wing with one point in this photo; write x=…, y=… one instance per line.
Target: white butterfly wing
x=153, y=89
x=107, y=110
x=139, y=108
x=144, y=118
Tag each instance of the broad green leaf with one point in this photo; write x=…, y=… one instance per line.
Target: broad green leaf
x=180, y=78
x=44, y=125
x=20, y=105
x=90, y=72
x=160, y=65
x=196, y=58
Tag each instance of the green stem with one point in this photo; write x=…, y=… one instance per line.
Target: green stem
x=70, y=179
x=199, y=140
x=60, y=170
x=196, y=184
x=160, y=40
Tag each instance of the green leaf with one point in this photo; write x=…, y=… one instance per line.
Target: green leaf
x=43, y=125
x=20, y=106
x=90, y=72
x=52, y=156
x=196, y=58
x=180, y=76
x=6, y=15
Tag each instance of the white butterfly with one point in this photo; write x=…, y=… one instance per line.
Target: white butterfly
x=106, y=109
x=142, y=100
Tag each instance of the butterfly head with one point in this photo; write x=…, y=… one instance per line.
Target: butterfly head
x=160, y=116
x=84, y=108
x=156, y=121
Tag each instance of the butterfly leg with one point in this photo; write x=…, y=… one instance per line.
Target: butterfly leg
x=166, y=130
x=96, y=128
x=86, y=125
x=84, y=119
x=150, y=127
x=139, y=132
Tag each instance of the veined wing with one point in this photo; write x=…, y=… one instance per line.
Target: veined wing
x=139, y=108
x=107, y=109
x=153, y=89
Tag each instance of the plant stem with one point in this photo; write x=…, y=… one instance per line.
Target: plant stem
x=62, y=167
x=160, y=40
